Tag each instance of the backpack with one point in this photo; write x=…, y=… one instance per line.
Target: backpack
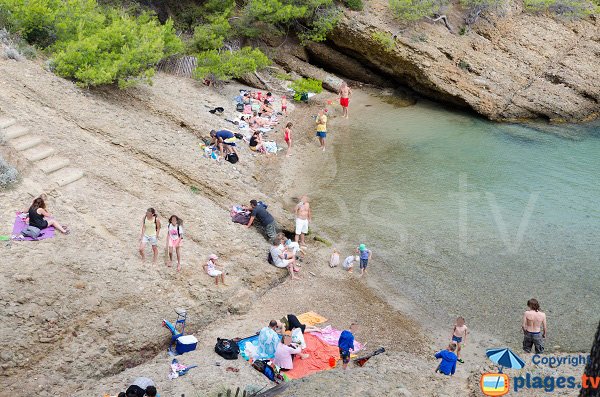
x=238, y=135
x=31, y=231
x=268, y=370
x=232, y=158
x=270, y=259
x=239, y=107
x=227, y=349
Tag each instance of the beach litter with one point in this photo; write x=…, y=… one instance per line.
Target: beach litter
x=178, y=369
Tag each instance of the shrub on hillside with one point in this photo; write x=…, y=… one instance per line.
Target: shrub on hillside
x=8, y=173
x=384, y=39
x=123, y=51
x=569, y=8
x=304, y=86
x=355, y=5
x=413, y=10
x=224, y=65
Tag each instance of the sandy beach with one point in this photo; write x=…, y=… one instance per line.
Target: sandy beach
x=83, y=315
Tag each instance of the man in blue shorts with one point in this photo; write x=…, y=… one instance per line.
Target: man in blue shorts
x=225, y=140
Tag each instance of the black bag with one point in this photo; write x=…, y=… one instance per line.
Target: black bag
x=232, y=158
x=238, y=135
x=227, y=349
x=239, y=107
x=270, y=259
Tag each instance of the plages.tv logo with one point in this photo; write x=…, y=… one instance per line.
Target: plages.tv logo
x=498, y=384
x=494, y=384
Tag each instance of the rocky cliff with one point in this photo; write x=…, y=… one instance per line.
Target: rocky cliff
x=507, y=68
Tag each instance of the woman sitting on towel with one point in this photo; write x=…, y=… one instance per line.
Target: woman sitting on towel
x=39, y=217
x=265, y=109
x=285, y=352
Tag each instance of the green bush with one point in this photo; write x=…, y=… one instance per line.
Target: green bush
x=355, y=5
x=384, y=39
x=226, y=65
x=570, y=8
x=123, y=51
x=413, y=10
x=91, y=44
x=322, y=24
x=44, y=22
x=210, y=36
x=312, y=19
x=303, y=86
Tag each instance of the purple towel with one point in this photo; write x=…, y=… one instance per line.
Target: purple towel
x=20, y=225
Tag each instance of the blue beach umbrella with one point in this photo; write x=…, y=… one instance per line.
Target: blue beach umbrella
x=505, y=358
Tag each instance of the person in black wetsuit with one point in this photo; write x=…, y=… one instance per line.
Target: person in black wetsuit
x=39, y=217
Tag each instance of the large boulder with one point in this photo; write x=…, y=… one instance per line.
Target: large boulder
x=512, y=68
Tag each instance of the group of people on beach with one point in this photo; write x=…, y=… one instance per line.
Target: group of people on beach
x=283, y=340
x=534, y=329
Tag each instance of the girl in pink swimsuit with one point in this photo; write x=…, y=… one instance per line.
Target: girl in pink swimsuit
x=174, y=239
x=288, y=138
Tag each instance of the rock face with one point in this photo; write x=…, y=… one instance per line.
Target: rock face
x=516, y=67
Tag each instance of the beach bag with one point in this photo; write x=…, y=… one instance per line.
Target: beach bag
x=247, y=109
x=31, y=231
x=239, y=107
x=241, y=217
x=232, y=158
x=227, y=349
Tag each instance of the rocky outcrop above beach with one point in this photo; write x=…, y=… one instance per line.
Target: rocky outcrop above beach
x=516, y=67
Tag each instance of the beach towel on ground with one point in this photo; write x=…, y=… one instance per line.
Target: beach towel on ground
x=311, y=318
x=319, y=353
x=21, y=225
x=331, y=336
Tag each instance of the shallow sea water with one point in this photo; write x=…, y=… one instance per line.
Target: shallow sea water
x=468, y=217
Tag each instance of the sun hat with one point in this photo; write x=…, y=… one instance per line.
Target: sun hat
x=213, y=256
x=362, y=247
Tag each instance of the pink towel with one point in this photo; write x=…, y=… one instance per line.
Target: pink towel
x=331, y=336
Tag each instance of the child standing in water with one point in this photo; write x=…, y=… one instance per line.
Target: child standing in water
x=174, y=239
x=150, y=233
x=288, y=138
x=459, y=336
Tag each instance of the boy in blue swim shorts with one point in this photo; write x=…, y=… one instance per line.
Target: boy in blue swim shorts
x=459, y=336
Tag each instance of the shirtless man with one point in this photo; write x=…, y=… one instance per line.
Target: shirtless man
x=344, y=94
x=534, y=327
x=303, y=216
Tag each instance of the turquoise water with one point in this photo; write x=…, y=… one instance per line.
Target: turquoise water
x=472, y=218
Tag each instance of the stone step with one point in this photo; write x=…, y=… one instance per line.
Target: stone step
x=52, y=164
x=6, y=122
x=26, y=142
x=67, y=176
x=15, y=131
x=38, y=153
